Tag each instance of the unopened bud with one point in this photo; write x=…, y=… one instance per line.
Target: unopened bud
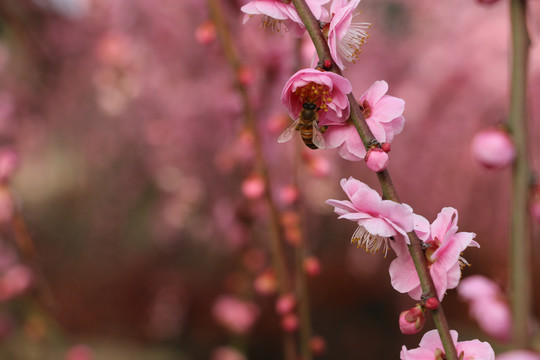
x=317, y=345
x=289, y=322
x=253, y=187
x=412, y=321
x=493, y=149
x=285, y=304
x=266, y=283
x=386, y=147
x=432, y=303
x=327, y=64
x=312, y=266
x=376, y=159
x=205, y=32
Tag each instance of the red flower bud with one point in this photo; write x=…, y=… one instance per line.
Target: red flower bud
x=411, y=321
x=432, y=303
x=386, y=147
x=327, y=64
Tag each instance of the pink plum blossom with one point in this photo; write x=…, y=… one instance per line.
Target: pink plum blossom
x=377, y=160
x=326, y=89
x=383, y=114
x=412, y=320
x=345, y=36
x=487, y=306
x=378, y=220
x=519, y=355
x=493, y=149
x=277, y=13
x=445, y=245
x=430, y=347
x=234, y=314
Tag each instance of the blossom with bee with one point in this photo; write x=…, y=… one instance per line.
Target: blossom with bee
x=328, y=91
x=280, y=14
x=443, y=253
x=379, y=221
x=383, y=114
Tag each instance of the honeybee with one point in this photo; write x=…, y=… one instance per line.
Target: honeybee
x=308, y=125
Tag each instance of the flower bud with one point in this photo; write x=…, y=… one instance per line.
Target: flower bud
x=289, y=322
x=253, y=187
x=432, y=303
x=411, y=321
x=265, y=283
x=312, y=266
x=317, y=345
x=285, y=304
x=327, y=64
x=493, y=149
x=386, y=147
x=376, y=159
x=205, y=32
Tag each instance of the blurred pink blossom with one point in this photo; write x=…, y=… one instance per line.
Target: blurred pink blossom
x=383, y=116
x=253, y=187
x=288, y=194
x=8, y=163
x=79, y=352
x=519, y=355
x=15, y=281
x=326, y=89
x=289, y=322
x=6, y=205
x=317, y=345
x=227, y=353
x=234, y=314
x=378, y=220
x=285, y=304
x=430, y=347
x=265, y=283
x=345, y=37
x=443, y=256
x=205, y=33
x=493, y=149
x=377, y=159
x=412, y=320
x=487, y=306
x=312, y=266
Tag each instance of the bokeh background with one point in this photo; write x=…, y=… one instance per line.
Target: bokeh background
x=133, y=151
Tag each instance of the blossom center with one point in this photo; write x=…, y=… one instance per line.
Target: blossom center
x=273, y=24
x=314, y=93
x=366, y=108
x=371, y=243
x=433, y=246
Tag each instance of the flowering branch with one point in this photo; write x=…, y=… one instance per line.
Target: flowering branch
x=389, y=191
x=278, y=254
x=520, y=246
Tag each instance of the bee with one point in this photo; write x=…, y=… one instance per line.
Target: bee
x=308, y=125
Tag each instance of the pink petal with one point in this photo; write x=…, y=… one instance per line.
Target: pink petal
x=375, y=92
x=377, y=226
x=416, y=354
x=474, y=349
x=439, y=276
x=388, y=108
x=403, y=274
x=335, y=135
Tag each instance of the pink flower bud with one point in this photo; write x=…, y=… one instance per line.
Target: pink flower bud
x=15, y=280
x=376, y=159
x=289, y=322
x=285, y=304
x=327, y=64
x=246, y=76
x=253, y=187
x=205, y=32
x=235, y=315
x=312, y=266
x=266, y=283
x=493, y=149
x=432, y=303
x=288, y=194
x=317, y=345
x=411, y=321
x=386, y=147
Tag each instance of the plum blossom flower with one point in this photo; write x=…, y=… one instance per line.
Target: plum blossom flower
x=431, y=347
x=325, y=89
x=234, y=314
x=378, y=220
x=412, y=320
x=383, y=114
x=279, y=13
x=445, y=245
x=493, y=149
x=376, y=159
x=487, y=306
x=345, y=36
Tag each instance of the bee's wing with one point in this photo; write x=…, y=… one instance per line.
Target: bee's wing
x=289, y=132
x=318, y=139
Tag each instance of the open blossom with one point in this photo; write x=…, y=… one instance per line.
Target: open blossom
x=443, y=254
x=345, y=34
x=328, y=91
x=279, y=13
x=378, y=220
x=487, y=306
x=383, y=114
x=431, y=347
